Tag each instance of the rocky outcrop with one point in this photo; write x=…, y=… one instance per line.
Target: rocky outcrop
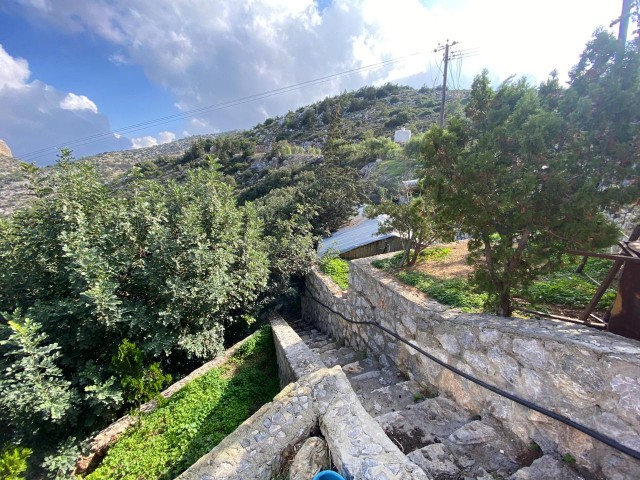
x=4, y=149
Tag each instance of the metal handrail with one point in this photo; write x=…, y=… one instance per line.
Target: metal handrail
x=503, y=393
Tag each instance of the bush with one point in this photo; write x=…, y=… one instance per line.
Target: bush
x=13, y=462
x=337, y=268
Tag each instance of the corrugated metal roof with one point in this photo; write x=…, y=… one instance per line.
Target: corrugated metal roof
x=360, y=231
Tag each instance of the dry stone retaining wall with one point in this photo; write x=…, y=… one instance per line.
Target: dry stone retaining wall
x=591, y=377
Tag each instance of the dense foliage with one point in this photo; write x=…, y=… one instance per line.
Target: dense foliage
x=198, y=417
x=527, y=172
x=99, y=290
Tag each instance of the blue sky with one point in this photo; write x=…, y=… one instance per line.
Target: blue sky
x=72, y=69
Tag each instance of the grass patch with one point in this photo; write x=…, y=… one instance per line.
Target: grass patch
x=336, y=268
x=193, y=421
x=566, y=288
x=428, y=254
x=456, y=292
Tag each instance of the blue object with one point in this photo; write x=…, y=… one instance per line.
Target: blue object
x=328, y=475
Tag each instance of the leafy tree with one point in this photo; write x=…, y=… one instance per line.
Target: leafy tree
x=33, y=390
x=415, y=222
x=288, y=234
x=170, y=266
x=504, y=175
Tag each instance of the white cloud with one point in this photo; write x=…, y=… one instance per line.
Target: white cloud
x=143, y=142
x=166, y=137
x=78, y=102
x=150, y=141
x=14, y=72
x=206, y=52
x=35, y=115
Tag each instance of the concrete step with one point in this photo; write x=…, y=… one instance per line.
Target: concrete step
x=341, y=356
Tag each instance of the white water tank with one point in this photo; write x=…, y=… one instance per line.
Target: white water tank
x=402, y=136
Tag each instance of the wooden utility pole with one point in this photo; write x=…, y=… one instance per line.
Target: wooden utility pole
x=446, y=57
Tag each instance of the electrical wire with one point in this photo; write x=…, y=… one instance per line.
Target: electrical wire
x=197, y=111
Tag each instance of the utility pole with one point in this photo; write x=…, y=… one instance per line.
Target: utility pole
x=446, y=57
x=623, y=29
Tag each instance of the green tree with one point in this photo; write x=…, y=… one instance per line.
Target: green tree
x=171, y=266
x=140, y=383
x=33, y=391
x=503, y=176
x=415, y=221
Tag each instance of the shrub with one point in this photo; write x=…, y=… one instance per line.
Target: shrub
x=13, y=462
x=336, y=268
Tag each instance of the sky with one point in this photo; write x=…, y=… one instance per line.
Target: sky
x=99, y=75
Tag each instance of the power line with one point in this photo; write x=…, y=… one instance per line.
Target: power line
x=197, y=111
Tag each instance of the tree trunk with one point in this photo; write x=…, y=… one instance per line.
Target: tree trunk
x=505, y=308
x=414, y=257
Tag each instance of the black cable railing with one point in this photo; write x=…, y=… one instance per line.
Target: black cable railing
x=492, y=388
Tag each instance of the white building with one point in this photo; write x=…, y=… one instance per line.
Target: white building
x=402, y=136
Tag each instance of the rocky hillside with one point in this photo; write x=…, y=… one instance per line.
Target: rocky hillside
x=13, y=185
x=365, y=113
x=113, y=164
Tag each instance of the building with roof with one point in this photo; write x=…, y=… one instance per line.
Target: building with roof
x=359, y=238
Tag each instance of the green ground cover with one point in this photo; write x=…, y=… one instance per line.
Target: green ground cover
x=194, y=420
x=562, y=287
x=336, y=268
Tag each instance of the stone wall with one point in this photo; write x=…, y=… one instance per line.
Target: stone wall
x=320, y=399
x=591, y=377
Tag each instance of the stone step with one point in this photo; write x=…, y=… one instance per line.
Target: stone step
x=341, y=356
x=367, y=382
x=474, y=450
x=390, y=398
x=329, y=345
x=423, y=423
x=547, y=466
x=359, y=367
x=319, y=341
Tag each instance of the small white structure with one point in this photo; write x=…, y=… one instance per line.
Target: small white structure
x=402, y=136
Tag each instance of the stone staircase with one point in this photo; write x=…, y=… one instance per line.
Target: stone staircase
x=446, y=441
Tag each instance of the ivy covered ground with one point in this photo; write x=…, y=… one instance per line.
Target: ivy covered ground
x=193, y=421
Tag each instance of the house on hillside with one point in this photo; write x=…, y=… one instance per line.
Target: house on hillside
x=402, y=136
x=360, y=239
